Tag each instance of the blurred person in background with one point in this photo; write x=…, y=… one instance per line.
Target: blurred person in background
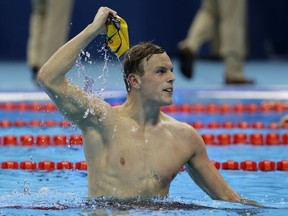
x=225, y=19
x=48, y=30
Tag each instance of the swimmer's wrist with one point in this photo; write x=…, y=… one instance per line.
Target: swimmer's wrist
x=93, y=29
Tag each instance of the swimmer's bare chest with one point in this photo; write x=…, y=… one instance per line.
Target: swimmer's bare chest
x=138, y=164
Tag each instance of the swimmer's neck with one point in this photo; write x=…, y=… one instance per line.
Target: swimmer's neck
x=142, y=112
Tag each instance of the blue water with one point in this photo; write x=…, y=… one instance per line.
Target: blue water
x=41, y=192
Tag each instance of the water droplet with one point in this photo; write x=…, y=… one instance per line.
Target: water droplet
x=103, y=117
x=133, y=129
x=115, y=128
x=86, y=113
x=88, y=85
x=43, y=190
x=87, y=54
x=73, y=127
x=26, y=189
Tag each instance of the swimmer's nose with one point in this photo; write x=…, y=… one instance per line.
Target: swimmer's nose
x=172, y=78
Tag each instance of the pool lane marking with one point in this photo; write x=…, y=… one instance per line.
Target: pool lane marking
x=236, y=94
x=214, y=93
x=42, y=96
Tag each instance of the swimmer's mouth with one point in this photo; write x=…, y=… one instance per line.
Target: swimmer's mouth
x=170, y=90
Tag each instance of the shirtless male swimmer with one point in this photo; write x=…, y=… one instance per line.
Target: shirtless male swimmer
x=135, y=150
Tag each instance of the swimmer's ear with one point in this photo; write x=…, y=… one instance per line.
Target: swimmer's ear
x=134, y=80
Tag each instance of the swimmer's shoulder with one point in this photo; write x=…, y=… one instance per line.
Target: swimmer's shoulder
x=179, y=125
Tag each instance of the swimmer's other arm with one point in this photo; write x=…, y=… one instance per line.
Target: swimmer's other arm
x=207, y=177
x=251, y=202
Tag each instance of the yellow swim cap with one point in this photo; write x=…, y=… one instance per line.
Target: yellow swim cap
x=117, y=35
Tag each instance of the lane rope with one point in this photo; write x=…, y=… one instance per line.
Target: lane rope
x=6, y=123
x=210, y=108
x=247, y=165
x=221, y=139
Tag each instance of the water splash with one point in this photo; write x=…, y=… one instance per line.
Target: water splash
x=26, y=189
x=90, y=82
x=105, y=72
x=102, y=117
x=86, y=113
x=114, y=131
x=133, y=129
x=73, y=127
x=88, y=85
x=79, y=65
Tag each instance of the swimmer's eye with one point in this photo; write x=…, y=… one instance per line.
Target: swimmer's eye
x=161, y=70
x=164, y=70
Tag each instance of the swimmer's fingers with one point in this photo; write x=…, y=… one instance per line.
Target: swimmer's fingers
x=101, y=18
x=252, y=203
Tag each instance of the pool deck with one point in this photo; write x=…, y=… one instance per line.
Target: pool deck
x=271, y=79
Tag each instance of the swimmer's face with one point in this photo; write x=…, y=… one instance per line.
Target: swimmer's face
x=157, y=82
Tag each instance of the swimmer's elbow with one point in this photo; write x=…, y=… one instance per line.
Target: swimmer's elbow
x=46, y=79
x=43, y=77
x=40, y=77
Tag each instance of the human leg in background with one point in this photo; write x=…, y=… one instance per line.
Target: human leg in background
x=232, y=29
x=201, y=30
x=36, y=29
x=49, y=29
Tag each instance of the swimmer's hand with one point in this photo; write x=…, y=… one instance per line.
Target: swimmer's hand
x=114, y=20
x=100, y=19
x=251, y=202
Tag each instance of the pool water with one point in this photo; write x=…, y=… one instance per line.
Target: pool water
x=64, y=192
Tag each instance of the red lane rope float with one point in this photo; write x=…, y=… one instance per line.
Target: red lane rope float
x=222, y=139
x=230, y=165
x=9, y=165
x=247, y=165
x=46, y=165
x=28, y=165
x=267, y=165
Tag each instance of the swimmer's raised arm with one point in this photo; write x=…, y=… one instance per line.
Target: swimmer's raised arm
x=207, y=177
x=71, y=100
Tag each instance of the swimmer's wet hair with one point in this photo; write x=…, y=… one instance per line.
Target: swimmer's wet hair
x=134, y=56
